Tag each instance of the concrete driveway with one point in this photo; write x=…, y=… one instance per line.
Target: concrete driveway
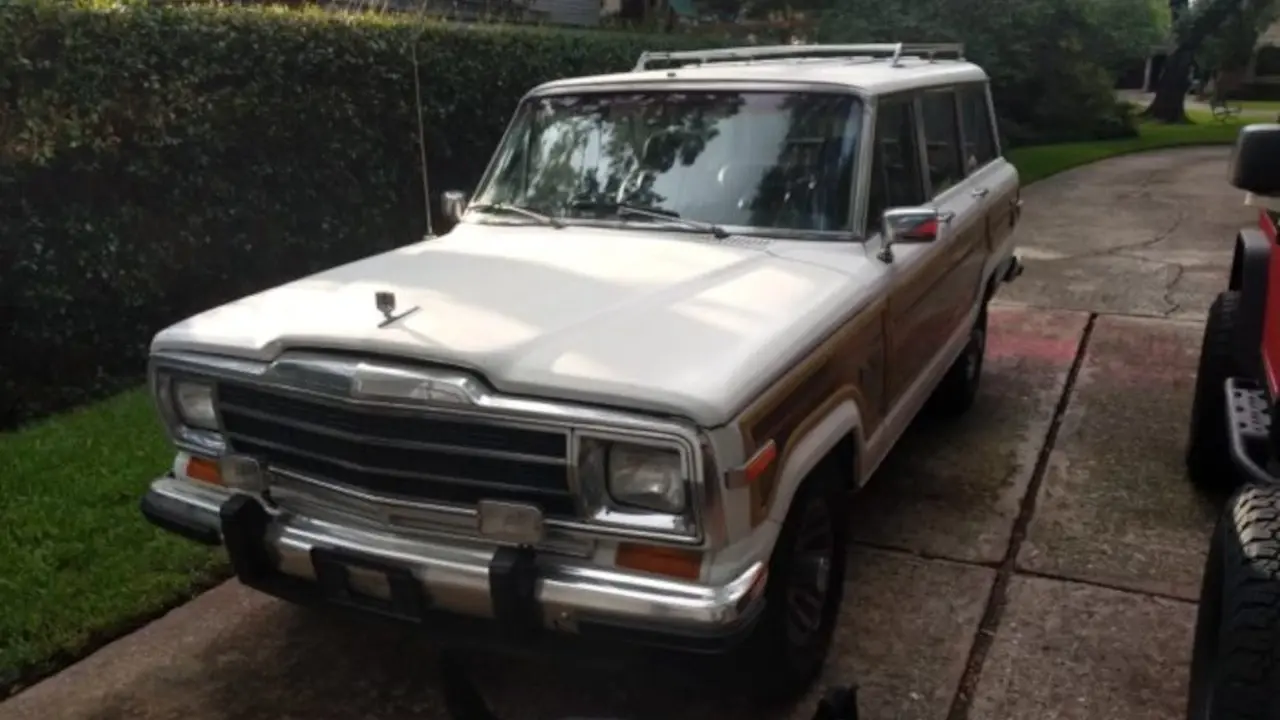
x=1038, y=559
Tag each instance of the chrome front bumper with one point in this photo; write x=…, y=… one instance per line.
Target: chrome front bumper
x=412, y=577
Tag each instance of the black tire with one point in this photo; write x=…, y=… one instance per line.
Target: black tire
x=1208, y=444
x=959, y=387
x=1235, y=663
x=788, y=647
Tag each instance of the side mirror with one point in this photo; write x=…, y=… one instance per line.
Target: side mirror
x=909, y=225
x=1255, y=160
x=453, y=203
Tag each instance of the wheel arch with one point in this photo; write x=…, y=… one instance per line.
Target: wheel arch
x=835, y=437
x=1250, y=266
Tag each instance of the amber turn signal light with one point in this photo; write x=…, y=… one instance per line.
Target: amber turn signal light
x=672, y=562
x=204, y=470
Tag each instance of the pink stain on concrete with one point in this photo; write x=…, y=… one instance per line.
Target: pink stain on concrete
x=1048, y=336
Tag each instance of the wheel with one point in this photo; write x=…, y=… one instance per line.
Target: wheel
x=1235, y=662
x=788, y=647
x=1208, y=445
x=959, y=387
x=1219, y=111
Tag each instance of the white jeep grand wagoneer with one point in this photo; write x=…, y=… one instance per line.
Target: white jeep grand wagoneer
x=687, y=310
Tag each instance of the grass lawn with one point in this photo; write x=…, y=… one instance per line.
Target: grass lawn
x=1268, y=105
x=78, y=564
x=1039, y=162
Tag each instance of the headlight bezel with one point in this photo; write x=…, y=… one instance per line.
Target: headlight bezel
x=601, y=507
x=206, y=440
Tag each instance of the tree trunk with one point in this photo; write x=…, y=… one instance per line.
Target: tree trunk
x=1175, y=80
x=1171, y=92
x=632, y=10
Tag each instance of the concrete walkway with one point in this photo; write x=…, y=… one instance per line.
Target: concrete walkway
x=1038, y=559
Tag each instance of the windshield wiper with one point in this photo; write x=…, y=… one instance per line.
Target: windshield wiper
x=518, y=210
x=626, y=209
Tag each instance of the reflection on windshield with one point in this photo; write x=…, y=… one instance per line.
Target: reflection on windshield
x=760, y=159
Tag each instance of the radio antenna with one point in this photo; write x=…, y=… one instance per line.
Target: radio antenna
x=357, y=6
x=422, y=136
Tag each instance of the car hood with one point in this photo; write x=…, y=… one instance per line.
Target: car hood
x=661, y=322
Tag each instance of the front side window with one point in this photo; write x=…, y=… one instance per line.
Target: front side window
x=895, y=166
x=780, y=160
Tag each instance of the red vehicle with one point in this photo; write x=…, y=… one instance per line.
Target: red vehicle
x=1234, y=447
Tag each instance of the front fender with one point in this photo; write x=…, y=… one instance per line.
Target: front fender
x=834, y=422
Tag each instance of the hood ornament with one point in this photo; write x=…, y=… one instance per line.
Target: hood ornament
x=386, y=304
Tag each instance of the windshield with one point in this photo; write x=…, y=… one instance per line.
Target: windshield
x=780, y=160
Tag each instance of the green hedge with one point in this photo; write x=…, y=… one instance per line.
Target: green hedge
x=157, y=161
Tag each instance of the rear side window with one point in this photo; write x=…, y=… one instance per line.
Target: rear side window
x=979, y=140
x=942, y=139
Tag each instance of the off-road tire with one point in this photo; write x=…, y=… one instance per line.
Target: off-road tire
x=1235, y=663
x=1208, y=444
x=782, y=666
x=959, y=387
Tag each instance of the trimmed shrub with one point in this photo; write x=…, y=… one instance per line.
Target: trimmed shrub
x=155, y=162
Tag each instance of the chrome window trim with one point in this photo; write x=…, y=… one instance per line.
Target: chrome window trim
x=403, y=385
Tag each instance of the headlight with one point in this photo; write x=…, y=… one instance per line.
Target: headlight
x=193, y=402
x=646, y=477
x=639, y=476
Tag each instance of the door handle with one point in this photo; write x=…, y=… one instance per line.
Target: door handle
x=980, y=192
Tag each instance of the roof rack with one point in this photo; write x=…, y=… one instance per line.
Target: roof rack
x=893, y=51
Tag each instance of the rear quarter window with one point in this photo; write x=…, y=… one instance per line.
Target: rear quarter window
x=979, y=136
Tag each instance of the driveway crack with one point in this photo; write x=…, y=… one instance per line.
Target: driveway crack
x=1119, y=250
x=999, y=598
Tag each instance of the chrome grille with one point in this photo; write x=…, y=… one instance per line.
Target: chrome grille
x=403, y=453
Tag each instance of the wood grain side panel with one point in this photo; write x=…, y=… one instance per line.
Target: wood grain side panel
x=1001, y=218
x=921, y=316
x=968, y=274
x=848, y=365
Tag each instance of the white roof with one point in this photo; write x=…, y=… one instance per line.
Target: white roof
x=872, y=76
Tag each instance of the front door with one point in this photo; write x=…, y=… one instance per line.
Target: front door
x=897, y=181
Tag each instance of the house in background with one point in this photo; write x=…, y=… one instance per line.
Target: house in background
x=1260, y=80
x=650, y=12
x=568, y=12
x=1262, y=76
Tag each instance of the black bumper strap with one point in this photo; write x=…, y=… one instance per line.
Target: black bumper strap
x=244, y=530
x=513, y=580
